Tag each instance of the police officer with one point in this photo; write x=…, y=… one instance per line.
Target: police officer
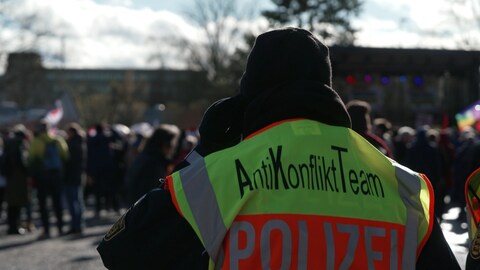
x=280, y=181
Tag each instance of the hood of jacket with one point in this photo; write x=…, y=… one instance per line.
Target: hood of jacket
x=298, y=99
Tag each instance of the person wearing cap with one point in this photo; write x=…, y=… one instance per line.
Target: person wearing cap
x=280, y=181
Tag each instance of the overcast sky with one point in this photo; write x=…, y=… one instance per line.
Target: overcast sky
x=119, y=33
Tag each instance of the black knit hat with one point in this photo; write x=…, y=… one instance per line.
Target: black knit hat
x=282, y=56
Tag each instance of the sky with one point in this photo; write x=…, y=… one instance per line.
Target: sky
x=129, y=33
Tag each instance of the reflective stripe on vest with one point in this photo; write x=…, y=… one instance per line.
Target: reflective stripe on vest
x=237, y=235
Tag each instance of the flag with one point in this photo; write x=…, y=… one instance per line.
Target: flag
x=445, y=121
x=469, y=116
x=54, y=116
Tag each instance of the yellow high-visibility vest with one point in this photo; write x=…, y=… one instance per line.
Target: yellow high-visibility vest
x=300, y=194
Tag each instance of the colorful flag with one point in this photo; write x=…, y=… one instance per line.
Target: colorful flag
x=469, y=116
x=54, y=116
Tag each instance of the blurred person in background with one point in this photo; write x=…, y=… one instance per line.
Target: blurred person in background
x=383, y=129
x=359, y=111
x=433, y=135
x=424, y=156
x=447, y=153
x=48, y=154
x=74, y=176
x=185, y=145
x=119, y=147
x=403, y=140
x=462, y=168
x=153, y=162
x=15, y=169
x=138, y=132
x=101, y=168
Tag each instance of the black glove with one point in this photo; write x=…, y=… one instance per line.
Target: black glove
x=221, y=125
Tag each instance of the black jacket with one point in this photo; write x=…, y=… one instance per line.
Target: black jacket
x=75, y=166
x=155, y=236
x=144, y=174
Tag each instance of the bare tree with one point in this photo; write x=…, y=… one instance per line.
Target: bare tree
x=124, y=103
x=466, y=17
x=220, y=36
x=31, y=27
x=212, y=17
x=3, y=24
x=328, y=18
x=127, y=99
x=24, y=74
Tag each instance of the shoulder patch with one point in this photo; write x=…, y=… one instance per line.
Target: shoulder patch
x=475, y=247
x=116, y=228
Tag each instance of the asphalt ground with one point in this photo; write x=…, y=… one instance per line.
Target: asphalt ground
x=456, y=235
x=20, y=252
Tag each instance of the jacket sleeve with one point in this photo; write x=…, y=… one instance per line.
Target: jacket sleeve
x=152, y=235
x=436, y=254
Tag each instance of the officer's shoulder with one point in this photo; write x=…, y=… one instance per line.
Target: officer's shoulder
x=154, y=206
x=138, y=238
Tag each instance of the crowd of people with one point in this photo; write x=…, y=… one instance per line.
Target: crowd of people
x=446, y=155
x=109, y=166
x=115, y=168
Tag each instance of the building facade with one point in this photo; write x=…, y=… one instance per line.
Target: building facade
x=406, y=86
x=112, y=95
